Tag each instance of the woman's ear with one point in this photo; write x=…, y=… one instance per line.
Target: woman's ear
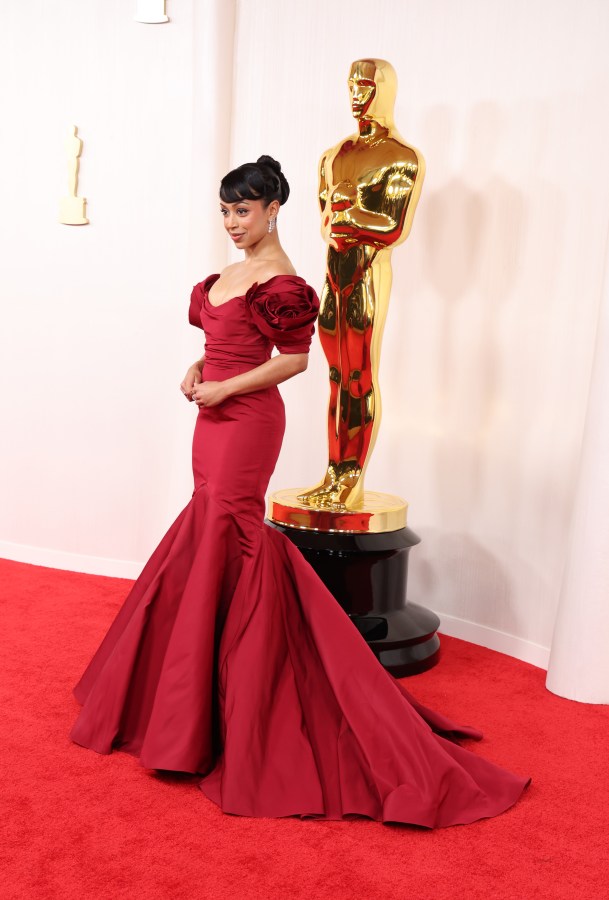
x=273, y=208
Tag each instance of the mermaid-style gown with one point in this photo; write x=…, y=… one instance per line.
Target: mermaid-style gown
x=231, y=659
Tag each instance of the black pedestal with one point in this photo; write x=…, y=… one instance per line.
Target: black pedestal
x=367, y=574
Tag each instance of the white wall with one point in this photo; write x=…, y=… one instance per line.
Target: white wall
x=95, y=338
x=487, y=353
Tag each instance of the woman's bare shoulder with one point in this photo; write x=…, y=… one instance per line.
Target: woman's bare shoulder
x=277, y=267
x=240, y=275
x=232, y=268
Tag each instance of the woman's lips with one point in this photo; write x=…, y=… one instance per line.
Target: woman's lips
x=236, y=237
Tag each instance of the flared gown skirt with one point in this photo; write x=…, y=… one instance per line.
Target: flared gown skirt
x=231, y=659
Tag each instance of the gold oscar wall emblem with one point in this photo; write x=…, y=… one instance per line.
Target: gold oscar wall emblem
x=72, y=208
x=369, y=186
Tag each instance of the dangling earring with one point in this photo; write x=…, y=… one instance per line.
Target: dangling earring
x=272, y=223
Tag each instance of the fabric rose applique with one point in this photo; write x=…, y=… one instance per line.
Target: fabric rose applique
x=284, y=310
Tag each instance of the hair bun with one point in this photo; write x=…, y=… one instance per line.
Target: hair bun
x=269, y=163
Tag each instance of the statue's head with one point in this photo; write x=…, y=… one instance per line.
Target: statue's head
x=373, y=86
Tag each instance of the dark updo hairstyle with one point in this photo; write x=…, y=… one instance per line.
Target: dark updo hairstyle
x=262, y=180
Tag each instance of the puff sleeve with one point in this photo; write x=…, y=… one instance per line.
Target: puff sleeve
x=284, y=310
x=196, y=300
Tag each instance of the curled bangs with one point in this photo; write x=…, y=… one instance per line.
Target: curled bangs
x=244, y=183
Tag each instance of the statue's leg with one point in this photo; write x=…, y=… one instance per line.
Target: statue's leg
x=351, y=406
x=360, y=312
x=345, y=328
x=376, y=287
x=73, y=167
x=357, y=393
x=330, y=339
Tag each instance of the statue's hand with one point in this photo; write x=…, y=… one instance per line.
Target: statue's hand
x=343, y=240
x=343, y=232
x=342, y=218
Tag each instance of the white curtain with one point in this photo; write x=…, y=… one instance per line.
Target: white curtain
x=579, y=659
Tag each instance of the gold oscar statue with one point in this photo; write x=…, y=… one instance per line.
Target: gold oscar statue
x=72, y=208
x=369, y=186
x=358, y=541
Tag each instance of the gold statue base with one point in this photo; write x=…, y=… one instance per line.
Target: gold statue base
x=72, y=211
x=376, y=513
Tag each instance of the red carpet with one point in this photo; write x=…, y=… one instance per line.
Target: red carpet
x=78, y=825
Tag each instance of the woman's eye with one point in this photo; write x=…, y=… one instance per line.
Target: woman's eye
x=223, y=211
x=242, y=212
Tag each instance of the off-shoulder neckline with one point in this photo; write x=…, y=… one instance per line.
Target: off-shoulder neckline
x=208, y=283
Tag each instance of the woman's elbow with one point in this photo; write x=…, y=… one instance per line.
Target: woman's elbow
x=301, y=362
x=295, y=363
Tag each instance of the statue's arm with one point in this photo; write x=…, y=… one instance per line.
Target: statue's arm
x=384, y=208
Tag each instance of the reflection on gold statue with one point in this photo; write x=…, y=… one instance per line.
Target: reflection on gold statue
x=72, y=210
x=369, y=188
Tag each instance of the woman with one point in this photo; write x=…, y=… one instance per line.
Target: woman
x=229, y=657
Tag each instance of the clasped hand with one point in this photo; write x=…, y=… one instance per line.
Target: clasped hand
x=209, y=393
x=204, y=393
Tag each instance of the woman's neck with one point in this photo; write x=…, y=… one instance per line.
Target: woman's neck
x=267, y=248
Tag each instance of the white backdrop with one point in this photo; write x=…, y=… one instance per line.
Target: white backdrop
x=95, y=338
x=489, y=343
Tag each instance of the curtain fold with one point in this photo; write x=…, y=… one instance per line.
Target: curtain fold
x=579, y=661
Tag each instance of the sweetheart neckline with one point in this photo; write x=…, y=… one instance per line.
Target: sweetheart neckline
x=216, y=276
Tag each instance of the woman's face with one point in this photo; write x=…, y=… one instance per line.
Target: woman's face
x=247, y=221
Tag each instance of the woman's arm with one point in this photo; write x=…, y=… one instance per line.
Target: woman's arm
x=270, y=373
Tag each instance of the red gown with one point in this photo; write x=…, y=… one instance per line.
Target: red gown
x=231, y=659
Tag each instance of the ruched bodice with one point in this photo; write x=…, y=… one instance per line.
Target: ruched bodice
x=240, y=333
